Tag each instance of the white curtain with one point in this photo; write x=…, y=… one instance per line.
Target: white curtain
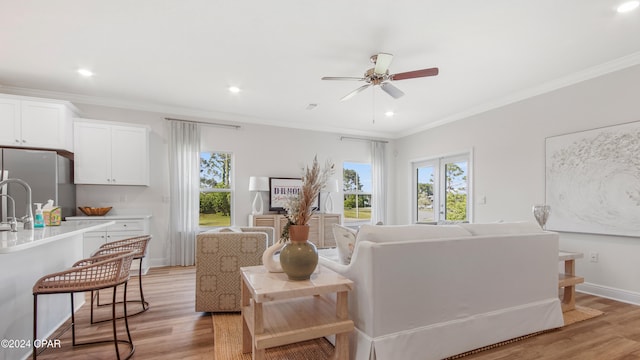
x=379, y=194
x=184, y=170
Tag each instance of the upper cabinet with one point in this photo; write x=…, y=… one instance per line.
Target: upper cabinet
x=110, y=153
x=36, y=123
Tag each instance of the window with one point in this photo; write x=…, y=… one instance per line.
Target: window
x=441, y=190
x=216, y=188
x=357, y=193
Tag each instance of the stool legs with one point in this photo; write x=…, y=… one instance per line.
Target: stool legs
x=142, y=301
x=114, y=319
x=35, y=326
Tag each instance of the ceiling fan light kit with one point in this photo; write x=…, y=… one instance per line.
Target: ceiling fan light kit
x=379, y=75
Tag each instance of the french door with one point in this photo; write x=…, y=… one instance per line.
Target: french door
x=441, y=190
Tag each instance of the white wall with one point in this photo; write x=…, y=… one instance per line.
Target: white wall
x=508, y=157
x=509, y=148
x=257, y=150
x=279, y=152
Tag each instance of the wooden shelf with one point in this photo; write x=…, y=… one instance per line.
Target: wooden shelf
x=295, y=320
x=565, y=280
x=568, y=280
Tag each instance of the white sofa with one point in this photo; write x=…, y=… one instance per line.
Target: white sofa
x=430, y=292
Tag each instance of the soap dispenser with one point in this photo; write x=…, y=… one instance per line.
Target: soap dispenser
x=38, y=221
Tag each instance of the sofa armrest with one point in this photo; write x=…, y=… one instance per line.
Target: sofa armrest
x=335, y=266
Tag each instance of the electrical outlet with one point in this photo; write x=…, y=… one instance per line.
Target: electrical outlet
x=593, y=256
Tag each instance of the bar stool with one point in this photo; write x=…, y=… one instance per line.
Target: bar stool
x=138, y=245
x=96, y=273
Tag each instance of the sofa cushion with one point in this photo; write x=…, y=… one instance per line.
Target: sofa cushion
x=345, y=241
x=524, y=227
x=389, y=233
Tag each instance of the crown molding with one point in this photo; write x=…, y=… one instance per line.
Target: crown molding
x=572, y=79
x=170, y=111
x=577, y=77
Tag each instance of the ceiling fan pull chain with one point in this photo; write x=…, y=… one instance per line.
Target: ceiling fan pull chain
x=373, y=105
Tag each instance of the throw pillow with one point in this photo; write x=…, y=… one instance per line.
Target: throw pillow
x=345, y=241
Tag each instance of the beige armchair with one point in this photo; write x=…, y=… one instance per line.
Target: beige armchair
x=219, y=256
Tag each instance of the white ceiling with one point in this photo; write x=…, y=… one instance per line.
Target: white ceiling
x=180, y=56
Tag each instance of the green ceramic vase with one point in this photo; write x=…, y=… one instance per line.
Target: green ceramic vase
x=299, y=257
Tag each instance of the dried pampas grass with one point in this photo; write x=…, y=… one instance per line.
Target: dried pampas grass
x=299, y=207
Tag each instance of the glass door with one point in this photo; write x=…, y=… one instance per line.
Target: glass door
x=440, y=191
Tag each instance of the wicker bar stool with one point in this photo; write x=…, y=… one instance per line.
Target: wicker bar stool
x=100, y=272
x=139, y=245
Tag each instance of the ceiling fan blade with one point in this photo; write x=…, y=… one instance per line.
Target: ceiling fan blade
x=355, y=92
x=414, y=74
x=382, y=63
x=391, y=90
x=342, y=78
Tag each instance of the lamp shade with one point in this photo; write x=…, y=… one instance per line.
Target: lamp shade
x=332, y=186
x=258, y=183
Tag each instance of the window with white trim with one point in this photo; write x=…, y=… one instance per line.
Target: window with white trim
x=216, y=188
x=357, y=193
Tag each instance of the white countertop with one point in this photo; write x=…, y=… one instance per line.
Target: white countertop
x=109, y=217
x=25, y=239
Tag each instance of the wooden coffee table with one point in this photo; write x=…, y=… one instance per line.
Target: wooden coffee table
x=277, y=311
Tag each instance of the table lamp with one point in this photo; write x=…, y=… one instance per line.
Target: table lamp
x=332, y=186
x=258, y=184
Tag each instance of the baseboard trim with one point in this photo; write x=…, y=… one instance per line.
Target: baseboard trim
x=625, y=296
x=158, y=262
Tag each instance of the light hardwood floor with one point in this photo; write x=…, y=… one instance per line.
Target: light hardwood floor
x=171, y=329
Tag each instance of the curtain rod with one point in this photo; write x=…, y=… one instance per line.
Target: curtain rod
x=208, y=123
x=363, y=139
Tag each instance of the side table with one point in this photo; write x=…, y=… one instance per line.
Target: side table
x=568, y=280
x=277, y=311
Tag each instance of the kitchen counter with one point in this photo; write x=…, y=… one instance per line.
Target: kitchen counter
x=26, y=256
x=109, y=217
x=25, y=239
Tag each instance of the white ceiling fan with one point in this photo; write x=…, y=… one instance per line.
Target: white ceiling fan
x=379, y=75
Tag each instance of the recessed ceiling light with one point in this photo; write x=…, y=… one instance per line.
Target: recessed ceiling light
x=628, y=6
x=234, y=89
x=85, y=72
x=389, y=113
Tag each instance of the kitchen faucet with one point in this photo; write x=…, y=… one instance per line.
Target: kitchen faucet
x=27, y=220
x=12, y=220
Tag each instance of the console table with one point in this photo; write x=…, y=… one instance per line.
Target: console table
x=568, y=280
x=320, y=226
x=277, y=311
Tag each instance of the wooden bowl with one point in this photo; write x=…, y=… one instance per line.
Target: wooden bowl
x=94, y=211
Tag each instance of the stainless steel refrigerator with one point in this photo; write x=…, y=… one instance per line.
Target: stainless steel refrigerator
x=49, y=175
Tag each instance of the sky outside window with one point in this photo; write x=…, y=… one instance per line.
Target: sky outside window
x=364, y=173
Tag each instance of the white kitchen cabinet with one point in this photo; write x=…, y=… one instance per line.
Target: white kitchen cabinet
x=111, y=153
x=124, y=228
x=36, y=123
